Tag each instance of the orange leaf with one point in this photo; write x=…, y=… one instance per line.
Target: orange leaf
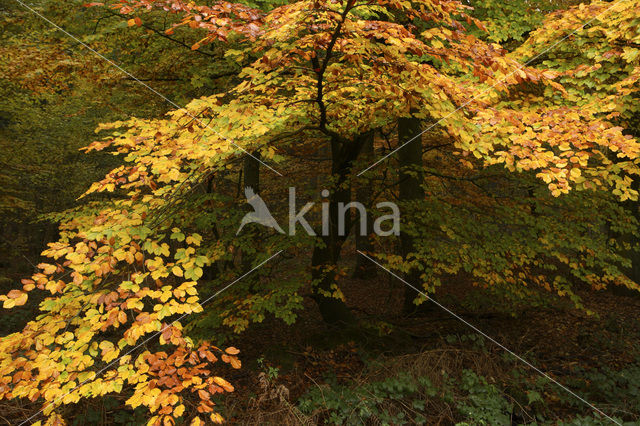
x=14, y=294
x=232, y=350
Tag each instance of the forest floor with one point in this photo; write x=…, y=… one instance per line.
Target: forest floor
x=310, y=374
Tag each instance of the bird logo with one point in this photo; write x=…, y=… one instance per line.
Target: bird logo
x=260, y=213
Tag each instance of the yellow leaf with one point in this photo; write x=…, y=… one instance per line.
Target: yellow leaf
x=223, y=384
x=47, y=268
x=21, y=300
x=194, y=239
x=177, y=412
x=216, y=418
x=177, y=271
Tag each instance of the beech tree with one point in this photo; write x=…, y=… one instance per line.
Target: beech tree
x=320, y=74
x=598, y=68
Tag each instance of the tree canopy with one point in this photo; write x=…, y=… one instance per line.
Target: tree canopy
x=521, y=155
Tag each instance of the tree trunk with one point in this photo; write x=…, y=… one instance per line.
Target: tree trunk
x=324, y=261
x=410, y=188
x=365, y=269
x=251, y=172
x=326, y=255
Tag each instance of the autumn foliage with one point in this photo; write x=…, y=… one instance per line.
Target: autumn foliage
x=119, y=286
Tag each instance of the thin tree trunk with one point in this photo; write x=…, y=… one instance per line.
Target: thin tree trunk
x=251, y=172
x=410, y=188
x=365, y=269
